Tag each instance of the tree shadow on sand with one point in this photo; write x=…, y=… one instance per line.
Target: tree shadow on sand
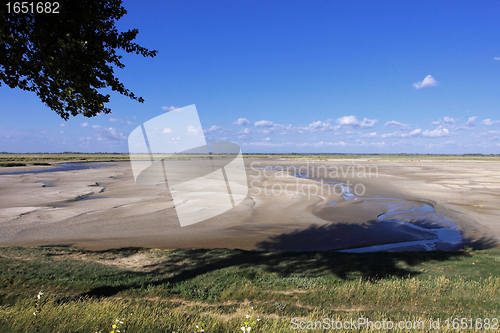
x=183, y=265
x=341, y=236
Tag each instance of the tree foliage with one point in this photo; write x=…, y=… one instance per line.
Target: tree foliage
x=67, y=57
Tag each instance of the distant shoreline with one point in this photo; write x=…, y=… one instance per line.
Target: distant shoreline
x=10, y=159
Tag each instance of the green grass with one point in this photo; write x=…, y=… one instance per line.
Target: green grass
x=167, y=291
x=70, y=157
x=11, y=164
x=79, y=157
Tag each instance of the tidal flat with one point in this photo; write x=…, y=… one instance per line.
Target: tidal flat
x=342, y=204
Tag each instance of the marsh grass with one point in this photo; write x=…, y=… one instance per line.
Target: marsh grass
x=11, y=164
x=43, y=159
x=8, y=159
x=176, y=290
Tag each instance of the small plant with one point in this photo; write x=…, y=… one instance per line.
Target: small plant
x=120, y=325
x=280, y=306
x=115, y=327
x=468, y=248
x=250, y=322
x=38, y=309
x=200, y=328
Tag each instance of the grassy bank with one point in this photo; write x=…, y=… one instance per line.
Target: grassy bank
x=41, y=159
x=177, y=290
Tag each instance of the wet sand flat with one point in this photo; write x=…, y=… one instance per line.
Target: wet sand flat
x=104, y=208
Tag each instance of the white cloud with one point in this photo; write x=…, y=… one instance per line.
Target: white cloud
x=85, y=124
x=214, y=128
x=108, y=134
x=269, y=127
x=471, y=121
x=167, y=131
x=264, y=123
x=194, y=130
x=322, y=144
x=170, y=109
x=445, y=120
x=113, y=120
x=295, y=144
x=242, y=122
x=129, y=122
x=64, y=124
x=469, y=125
x=415, y=132
x=362, y=143
x=490, y=122
x=397, y=124
x=244, y=137
x=352, y=121
x=490, y=135
x=496, y=58
x=398, y=134
x=429, y=81
x=367, y=123
x=369, y=135
x=245, y=131
x=319, y=126
x=438, y=132
x=347, y=121
x=267, y=139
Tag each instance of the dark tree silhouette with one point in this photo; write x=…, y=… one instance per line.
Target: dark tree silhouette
x=66, y=57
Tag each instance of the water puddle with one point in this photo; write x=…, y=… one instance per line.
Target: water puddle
x=415, y=218
x=445, y=233
x=62, y=167
x=302, y=175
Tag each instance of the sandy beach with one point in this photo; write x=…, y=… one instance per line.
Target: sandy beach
x=102, y=207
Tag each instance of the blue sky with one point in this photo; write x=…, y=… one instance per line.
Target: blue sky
x=300, y=76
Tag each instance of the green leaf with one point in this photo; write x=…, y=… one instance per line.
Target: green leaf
x=78, y=46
